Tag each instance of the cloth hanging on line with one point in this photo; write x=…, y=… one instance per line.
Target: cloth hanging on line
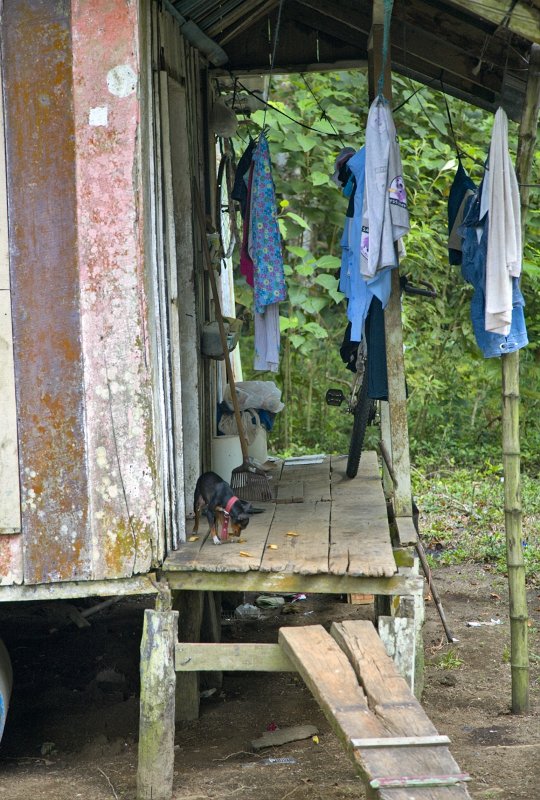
x=500, y=197
x=469, y=224
x=385, y=218
x=261, y=257
x=475, y=239
x=265, y=239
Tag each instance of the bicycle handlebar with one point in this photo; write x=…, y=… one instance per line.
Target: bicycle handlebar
x=409, y=288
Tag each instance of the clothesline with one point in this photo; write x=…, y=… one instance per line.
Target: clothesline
x=460, y=151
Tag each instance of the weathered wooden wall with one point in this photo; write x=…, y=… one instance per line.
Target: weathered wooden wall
x=86, y=450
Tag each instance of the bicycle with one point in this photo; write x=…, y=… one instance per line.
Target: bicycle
x=359, y=404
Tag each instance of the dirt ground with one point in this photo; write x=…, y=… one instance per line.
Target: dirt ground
x=72, y=725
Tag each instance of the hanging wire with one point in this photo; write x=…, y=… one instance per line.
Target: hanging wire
x=324, y=115
x=273, y=58
x=279, y=111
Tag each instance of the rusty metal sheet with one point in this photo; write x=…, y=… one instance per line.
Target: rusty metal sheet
x=36, y=51
x=120, y=436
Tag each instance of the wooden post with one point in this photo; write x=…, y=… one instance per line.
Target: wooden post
x=190, y=609
x=510, y=426
x=398, y=441
x=156, y=725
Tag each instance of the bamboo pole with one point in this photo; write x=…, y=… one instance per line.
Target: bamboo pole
x=510, y=426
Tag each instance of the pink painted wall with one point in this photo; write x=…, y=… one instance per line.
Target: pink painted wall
x=120, y=451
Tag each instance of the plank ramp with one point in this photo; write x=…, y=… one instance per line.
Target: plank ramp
x=390, y=739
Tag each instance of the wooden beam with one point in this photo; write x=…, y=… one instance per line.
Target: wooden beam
x=397, y=398
x=245, y=21
x=289, y=583
x=248, y=657
x=521, y=17
x=143, y=584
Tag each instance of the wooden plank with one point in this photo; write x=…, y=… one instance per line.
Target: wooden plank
x=401, y=741
x=234, y=657
x=333, y=682
x=359, y=533
x=331, y=679
x=316, y=479
x=171, y=302
x=141, y=584
x=406, y=531
x=185, y=265
x=306, y=552
x=286, y=583
x=521, y=17
x=387, y=691
x=10, y=501
x=290, y=492
x=392, y=702
x=227, y=557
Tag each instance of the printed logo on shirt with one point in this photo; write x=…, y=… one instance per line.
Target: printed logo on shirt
x=398, y=195
x=364, y=242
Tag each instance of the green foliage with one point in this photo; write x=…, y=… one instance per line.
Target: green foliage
x=462, y=518
x=454, y=393
x=449, y=660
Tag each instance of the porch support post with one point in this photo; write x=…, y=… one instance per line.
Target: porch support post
x=156, y=725
x=398, y=436
x=510, y=426
x=189, y=606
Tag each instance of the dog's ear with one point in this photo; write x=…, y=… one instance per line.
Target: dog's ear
x=246, y=506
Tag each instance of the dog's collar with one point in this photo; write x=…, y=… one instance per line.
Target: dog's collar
x=230, y=504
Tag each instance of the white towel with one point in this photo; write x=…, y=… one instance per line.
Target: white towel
x=500, y=196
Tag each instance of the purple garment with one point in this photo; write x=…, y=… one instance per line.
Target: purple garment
x=265, y=240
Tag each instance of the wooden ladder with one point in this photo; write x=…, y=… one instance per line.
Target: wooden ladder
x=390, y=739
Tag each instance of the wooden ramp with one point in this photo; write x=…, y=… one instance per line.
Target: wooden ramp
x=390, y=739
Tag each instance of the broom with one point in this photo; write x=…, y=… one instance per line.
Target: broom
x=248, y=480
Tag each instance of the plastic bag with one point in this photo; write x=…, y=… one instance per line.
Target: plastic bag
x=256, y=394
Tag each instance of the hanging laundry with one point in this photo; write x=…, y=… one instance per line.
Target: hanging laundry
x=385, y=218
x=500, y=197
x=351, y=282
x=261, y=258
x=469, y=242
x=461, y=189
x=267, y=339
x=475, y=238
x=265, y=239
x=364, y=307
x=241, y=176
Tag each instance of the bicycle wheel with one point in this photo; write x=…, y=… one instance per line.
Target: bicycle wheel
x=363, y=415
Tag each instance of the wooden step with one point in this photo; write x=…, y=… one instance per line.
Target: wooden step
x=366, y=701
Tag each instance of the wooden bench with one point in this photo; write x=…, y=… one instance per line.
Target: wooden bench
x=391, y=741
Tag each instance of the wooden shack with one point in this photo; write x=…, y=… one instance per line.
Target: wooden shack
x=106, y=404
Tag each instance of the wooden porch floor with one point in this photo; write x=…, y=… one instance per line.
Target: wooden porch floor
x=322, y=524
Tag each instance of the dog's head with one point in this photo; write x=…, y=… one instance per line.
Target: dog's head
x=240, y=515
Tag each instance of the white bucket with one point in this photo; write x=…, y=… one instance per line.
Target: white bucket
x=258, y=449
x=226, y=455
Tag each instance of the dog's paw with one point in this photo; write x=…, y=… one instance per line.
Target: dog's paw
x=216, y=539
